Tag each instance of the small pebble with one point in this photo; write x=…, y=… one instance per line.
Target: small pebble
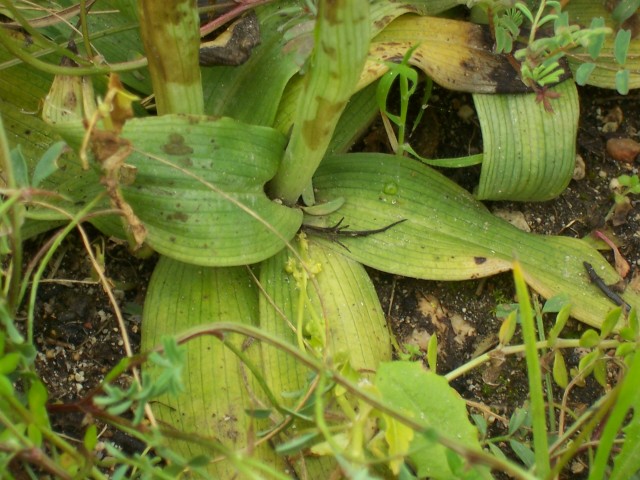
x=623, y=149
x=579, y=171
x=466, y=113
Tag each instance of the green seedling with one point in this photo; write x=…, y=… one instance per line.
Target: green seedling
x=539, y=62
x=629, y=185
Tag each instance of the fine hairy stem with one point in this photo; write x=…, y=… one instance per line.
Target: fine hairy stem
x=514, y=349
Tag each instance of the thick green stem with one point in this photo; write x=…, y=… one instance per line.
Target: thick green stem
x=341, y=45
x=170, y=33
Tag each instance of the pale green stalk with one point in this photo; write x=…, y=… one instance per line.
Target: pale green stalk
x=15, y=218
x=515, y=349
x=171, y=37
x=534, y=372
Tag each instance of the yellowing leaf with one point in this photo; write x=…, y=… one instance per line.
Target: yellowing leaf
x=399, y=438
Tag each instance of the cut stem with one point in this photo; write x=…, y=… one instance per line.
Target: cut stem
x=170, y=33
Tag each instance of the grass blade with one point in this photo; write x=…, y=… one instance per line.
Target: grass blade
x=538, y=414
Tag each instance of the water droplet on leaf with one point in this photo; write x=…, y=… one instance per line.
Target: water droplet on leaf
x=390, y=188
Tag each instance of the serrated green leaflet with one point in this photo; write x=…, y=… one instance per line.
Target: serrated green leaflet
x=447, y=234
x=529, y=154
x=199, y=188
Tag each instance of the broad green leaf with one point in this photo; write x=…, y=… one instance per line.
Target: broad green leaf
x=345, y=304
x=447, y=234
x=199, y=190
x=22, y=90
x=181, y=297
x=406, y=386
x=529, y=154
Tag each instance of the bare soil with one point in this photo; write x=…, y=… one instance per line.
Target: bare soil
x=79, y=340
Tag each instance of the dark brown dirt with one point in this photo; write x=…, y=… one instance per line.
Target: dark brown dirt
x=79, y=340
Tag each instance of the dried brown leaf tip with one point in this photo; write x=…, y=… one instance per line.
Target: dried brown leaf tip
x=117, y=105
